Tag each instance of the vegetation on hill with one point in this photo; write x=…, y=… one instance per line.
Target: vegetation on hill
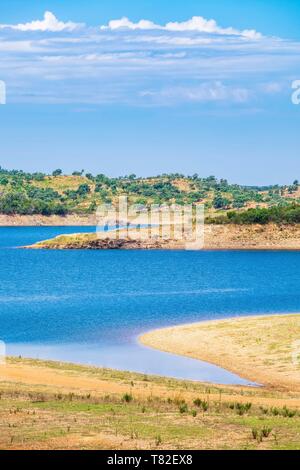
x=80, y=193
x=289, y=214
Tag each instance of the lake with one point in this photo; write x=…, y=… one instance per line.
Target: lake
x=90, y=306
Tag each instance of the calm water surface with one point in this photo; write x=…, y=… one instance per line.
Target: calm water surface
x=90, y=306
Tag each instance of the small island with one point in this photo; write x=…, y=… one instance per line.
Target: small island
x=216, y=237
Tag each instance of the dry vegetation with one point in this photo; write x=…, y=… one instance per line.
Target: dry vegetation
x=47, y=405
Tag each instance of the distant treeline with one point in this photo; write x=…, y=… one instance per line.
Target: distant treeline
x=283, y=215
x=81, y=193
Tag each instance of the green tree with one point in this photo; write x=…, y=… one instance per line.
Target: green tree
x=57, y=172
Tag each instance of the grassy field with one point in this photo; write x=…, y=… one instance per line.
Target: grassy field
x=47, y=405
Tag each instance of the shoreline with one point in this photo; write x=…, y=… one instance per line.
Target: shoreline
x=269, y=237
x=68, y=220
x=234, y=345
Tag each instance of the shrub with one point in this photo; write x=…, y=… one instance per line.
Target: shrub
x=198, y=402
x=242, y=408
x=127, y=397
x=183, y=408
x=287, y=413
x=201, y=404
x=266, y=431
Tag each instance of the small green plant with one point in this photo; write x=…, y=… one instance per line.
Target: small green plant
x=242, y=408
x=254, y=433
x=266, y=431
x=205, y=405
x=194, y=413
x=287, y=413
x=198, y=402
x=158, y=440
x=127, y=397
x=264, y=410
x=183, y=408
x=201, y=404
x=275, y=411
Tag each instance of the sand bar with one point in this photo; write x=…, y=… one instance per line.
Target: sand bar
x=263, y=349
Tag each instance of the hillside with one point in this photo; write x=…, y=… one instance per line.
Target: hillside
x=80, y=193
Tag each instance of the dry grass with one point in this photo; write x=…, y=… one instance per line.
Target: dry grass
x=48, y=405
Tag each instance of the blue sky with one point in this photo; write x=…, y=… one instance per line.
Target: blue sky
x=149, y=87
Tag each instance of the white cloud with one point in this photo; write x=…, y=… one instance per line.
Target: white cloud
x=196, y=24
x=49, y=23
x=202, y=25
x=206, y=92
x=126, y=23
x=18, y=46
x=174, y=40
x=272, y=87
x=142, y=63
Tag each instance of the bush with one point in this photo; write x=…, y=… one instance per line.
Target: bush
x=183, y=408
x=242, y=408
x=201, y=404
x=266, y=431
x=127, y=397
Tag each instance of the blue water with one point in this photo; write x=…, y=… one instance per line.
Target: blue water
x=90, y=306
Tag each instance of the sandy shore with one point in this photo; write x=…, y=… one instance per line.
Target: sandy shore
x=263, y=349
